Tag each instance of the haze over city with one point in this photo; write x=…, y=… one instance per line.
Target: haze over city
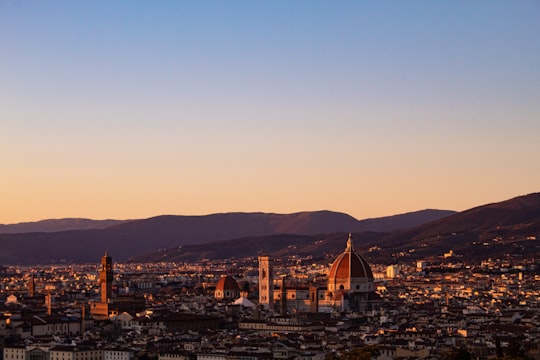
x=131, y=109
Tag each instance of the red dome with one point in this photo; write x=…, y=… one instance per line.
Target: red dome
x=350, y=265
x=227, y=283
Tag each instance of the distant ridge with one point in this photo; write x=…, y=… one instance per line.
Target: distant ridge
x=300, y=222
x=138, y=237
x=509, y=229
x=54, y=225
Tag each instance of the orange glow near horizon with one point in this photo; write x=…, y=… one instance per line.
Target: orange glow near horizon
x=175, y=108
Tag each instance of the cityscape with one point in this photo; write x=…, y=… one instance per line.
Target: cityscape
x=265, y=308
x=278, y=180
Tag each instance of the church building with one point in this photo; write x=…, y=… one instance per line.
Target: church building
x=227, y=289
x=349, y=287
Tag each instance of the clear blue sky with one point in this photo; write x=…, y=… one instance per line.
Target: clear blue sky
x=127, y=109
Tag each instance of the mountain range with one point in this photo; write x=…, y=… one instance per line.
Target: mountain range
x=138, y=237
x=508, y=229
x=54, y=225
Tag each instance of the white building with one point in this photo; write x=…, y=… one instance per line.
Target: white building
x=62, y=352
x=173, y=356
x=15, y=353
x=118, y=354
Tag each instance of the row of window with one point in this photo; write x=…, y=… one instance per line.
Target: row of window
x=14, y=354
x=64, y=355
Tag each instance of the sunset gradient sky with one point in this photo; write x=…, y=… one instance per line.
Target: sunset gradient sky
x=131, y=109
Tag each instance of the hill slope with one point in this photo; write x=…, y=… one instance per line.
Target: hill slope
x=508, y=228
x=494, y=230
x=143, y=236
x=322, y=246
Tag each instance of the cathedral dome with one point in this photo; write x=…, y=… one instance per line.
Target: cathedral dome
x=350, y=265
x=227, y=288
x=350, y=272
x=227, y=283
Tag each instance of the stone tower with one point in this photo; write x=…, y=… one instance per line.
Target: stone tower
x=32, y=286
x=106, y=278
x=266, y=283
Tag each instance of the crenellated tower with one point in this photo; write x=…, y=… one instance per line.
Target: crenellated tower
x=106, y=278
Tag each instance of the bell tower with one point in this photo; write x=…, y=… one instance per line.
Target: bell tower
x=32, y=286
x=266, y=283
x=106, y=277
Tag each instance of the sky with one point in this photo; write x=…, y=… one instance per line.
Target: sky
x=131, y=109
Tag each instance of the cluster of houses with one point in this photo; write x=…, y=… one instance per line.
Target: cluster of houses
x=419, y=312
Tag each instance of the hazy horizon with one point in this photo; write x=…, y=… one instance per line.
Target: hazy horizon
x=127, y=110
x=230, y=212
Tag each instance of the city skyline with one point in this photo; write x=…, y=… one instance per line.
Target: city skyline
x=130, y=110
